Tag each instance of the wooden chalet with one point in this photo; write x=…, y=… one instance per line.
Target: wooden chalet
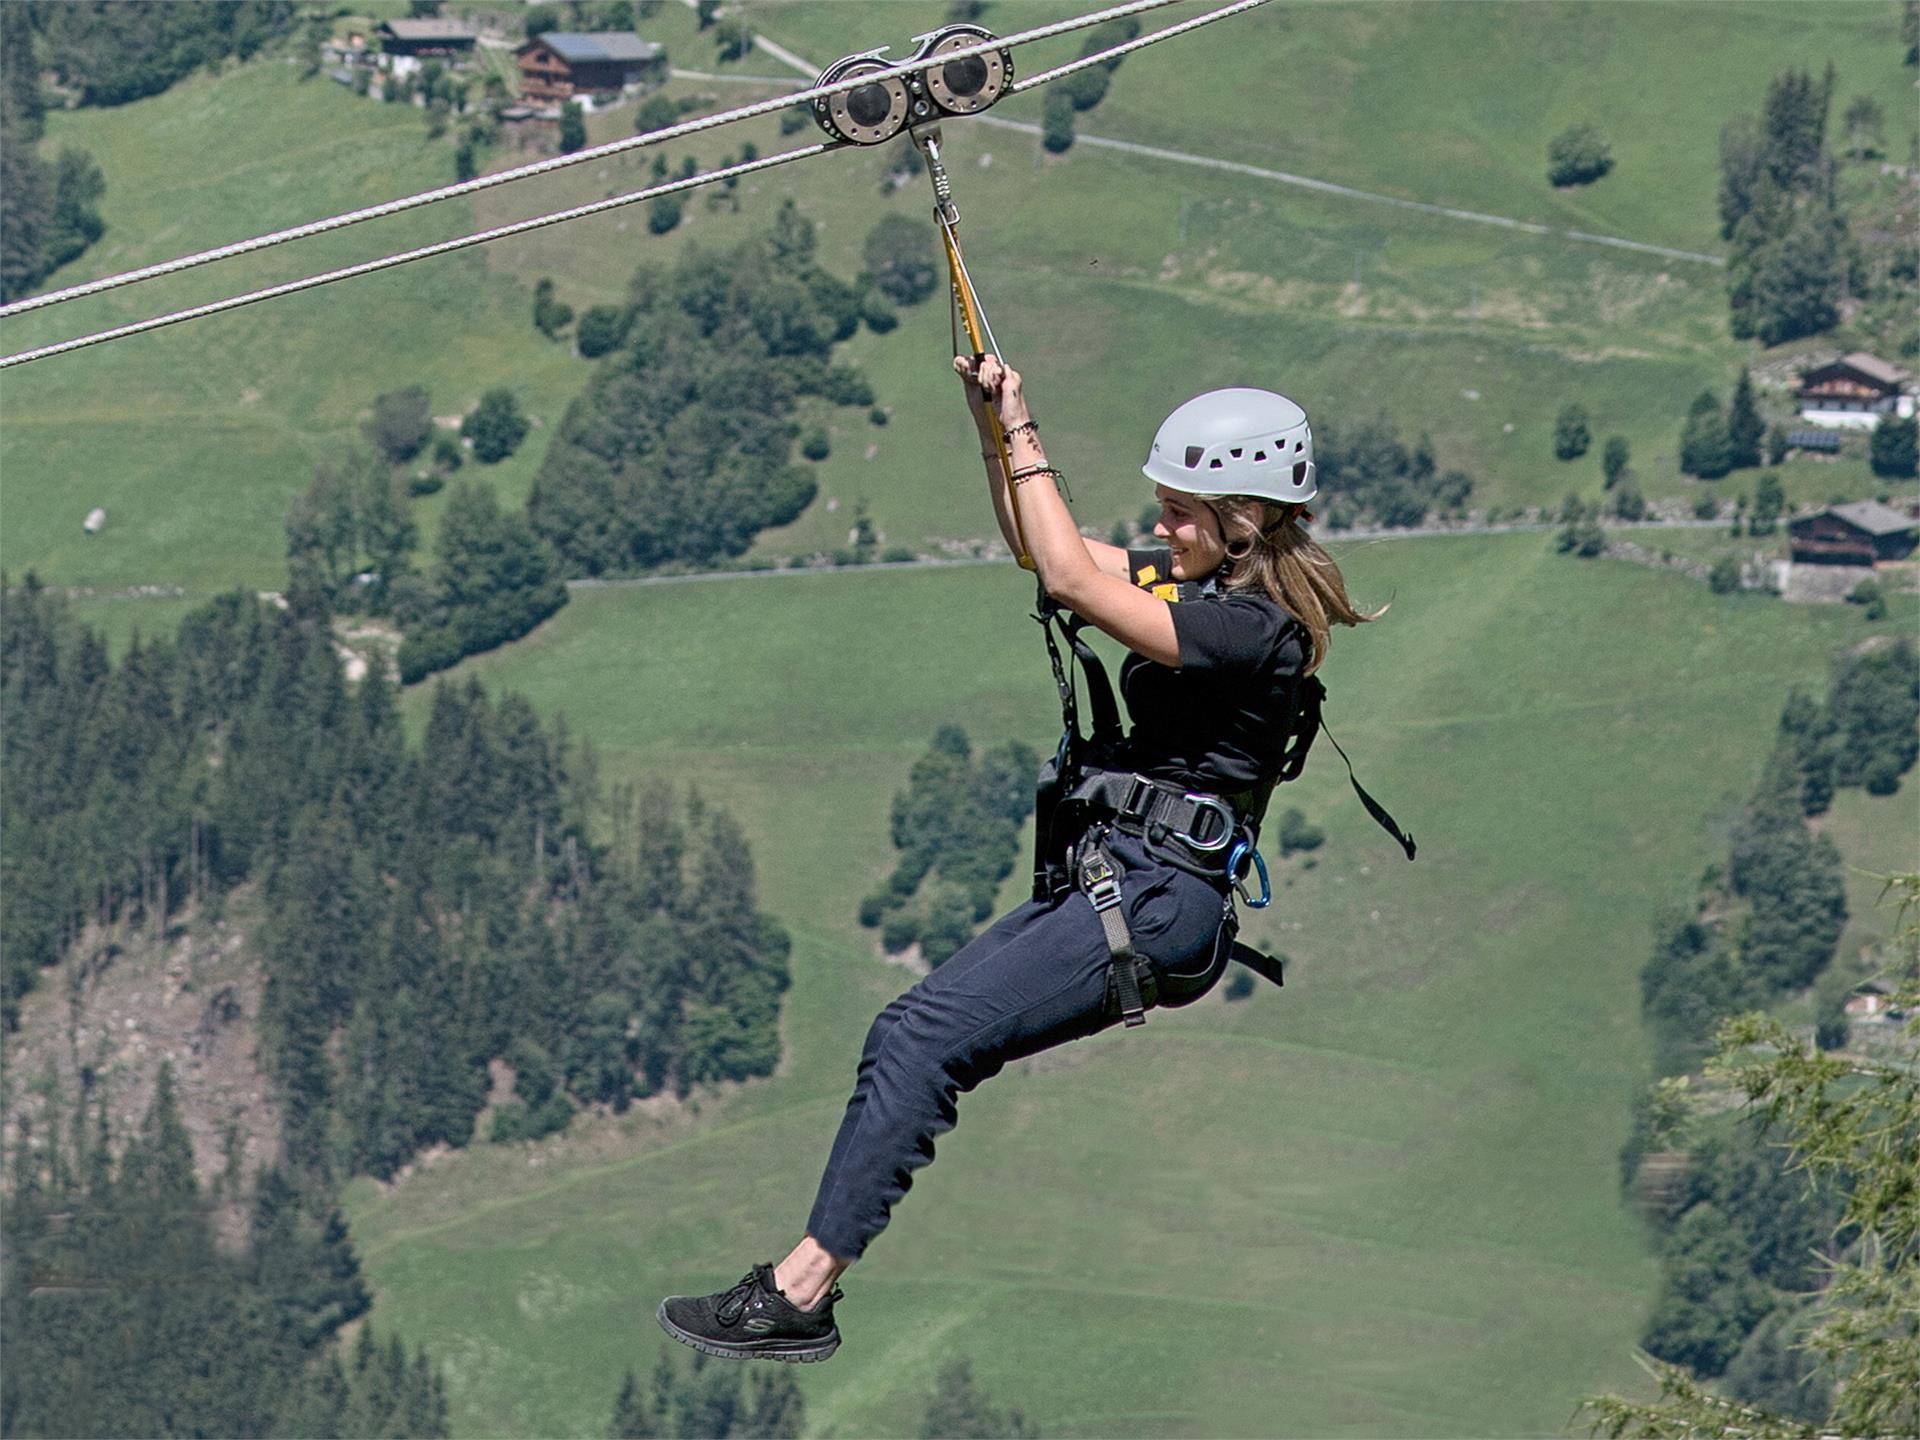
x=1855, y=390
x=562, y=65
x=428, y=36
x=1858, y=534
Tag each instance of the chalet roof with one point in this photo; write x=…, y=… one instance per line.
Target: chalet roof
x=1871, y=366
x=428, y=28
x=1873, y=517
x=578, y=48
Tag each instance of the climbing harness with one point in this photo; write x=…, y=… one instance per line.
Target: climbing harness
x=943, y=66
x=1084, y=795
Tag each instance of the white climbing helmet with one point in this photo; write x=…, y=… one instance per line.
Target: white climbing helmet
x=1235, y=442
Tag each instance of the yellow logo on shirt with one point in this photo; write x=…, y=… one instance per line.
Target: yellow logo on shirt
x=1166, y=592
x=1146, y=575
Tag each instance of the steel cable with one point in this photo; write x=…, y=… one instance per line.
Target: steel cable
x=579, y=157
x=577, y=212
x=445, y=247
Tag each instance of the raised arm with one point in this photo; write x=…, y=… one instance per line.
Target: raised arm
x=1088, y=577
x=1109, y=559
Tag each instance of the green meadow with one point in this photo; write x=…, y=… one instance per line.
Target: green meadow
x=1382, y=1201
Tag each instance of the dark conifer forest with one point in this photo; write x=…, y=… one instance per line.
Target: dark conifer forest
x=426, y=906
x=428, y=909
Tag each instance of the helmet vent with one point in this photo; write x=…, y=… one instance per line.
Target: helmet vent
x=1216, y=464
x=1236, y=453
x=1299, y=472
x=1296, y=445
x=1194, y=452
x=1259, y=457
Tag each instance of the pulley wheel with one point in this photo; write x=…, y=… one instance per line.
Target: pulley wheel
x=867, y=115
x=966, y=86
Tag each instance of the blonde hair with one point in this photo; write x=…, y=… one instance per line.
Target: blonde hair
x=1271, y=551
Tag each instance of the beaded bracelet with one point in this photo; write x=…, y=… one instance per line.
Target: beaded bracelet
x=1029, y=472
x=1030, y=426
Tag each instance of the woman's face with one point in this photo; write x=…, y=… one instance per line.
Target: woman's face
x=1192, y=532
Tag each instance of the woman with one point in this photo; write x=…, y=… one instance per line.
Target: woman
x=1223, y=624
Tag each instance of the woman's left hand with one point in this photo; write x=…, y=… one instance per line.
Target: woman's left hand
x=1000, y=383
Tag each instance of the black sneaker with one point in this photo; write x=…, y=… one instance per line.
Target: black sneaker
x=753, y=1321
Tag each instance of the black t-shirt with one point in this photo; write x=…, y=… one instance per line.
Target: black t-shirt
x=1219, y=722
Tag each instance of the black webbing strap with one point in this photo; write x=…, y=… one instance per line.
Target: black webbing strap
x=1100, y=883
x=1106, y=711
x=1374, y=807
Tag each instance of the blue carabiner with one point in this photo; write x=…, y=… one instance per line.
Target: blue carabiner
x=1240, y=852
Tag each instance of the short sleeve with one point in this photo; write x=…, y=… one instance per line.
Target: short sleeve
x=1237, y=632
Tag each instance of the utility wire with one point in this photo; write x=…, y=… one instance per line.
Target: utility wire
x=577, y=212
x=578, y=157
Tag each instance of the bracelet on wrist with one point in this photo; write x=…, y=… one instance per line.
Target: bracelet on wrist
x=1029, y=472
x=1031, y=427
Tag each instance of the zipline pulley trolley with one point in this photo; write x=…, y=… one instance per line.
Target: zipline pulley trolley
x=873, y=114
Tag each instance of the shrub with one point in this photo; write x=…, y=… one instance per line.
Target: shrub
x=550, y=316
x=1869, y=594
x=657, y=112
x=425, y=482
x=1724, y=577
x=879, y=415
x=573, y=128
x=1056, y=121
x=402, y=423
x=816, y=446
x=601, y=329
x=900, y=931
x=1629, y=503
x=1613, y=460
x=496, y=427
x=1570, y=434
x=1578, y=155
x=1895, y=451
x=663, y=213
x=1582, y=537
x=1706, y=445
x=901, y=260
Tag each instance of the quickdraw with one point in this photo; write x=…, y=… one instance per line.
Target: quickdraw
x=914, y=102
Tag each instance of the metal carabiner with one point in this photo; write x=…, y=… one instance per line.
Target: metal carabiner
x=1240, y=852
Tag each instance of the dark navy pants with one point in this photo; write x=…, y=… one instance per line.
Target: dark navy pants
x=1035, y=979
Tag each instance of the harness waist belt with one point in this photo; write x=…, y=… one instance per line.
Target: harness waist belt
x=1206, y=825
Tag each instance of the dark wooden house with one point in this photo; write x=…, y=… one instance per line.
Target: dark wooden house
x=561, y=65
x=1855, y=390
x=428, y=36
x=1858, y=534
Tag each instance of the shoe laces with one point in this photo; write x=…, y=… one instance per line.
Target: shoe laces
x=732, y=1305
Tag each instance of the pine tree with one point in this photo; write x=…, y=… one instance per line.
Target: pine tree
x=633, y=1419
x=1706, y=449
x=1745, y=428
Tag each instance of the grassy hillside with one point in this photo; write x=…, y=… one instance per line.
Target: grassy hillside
x=1120, y=284
x=195, y=438
x=1380, y=1202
